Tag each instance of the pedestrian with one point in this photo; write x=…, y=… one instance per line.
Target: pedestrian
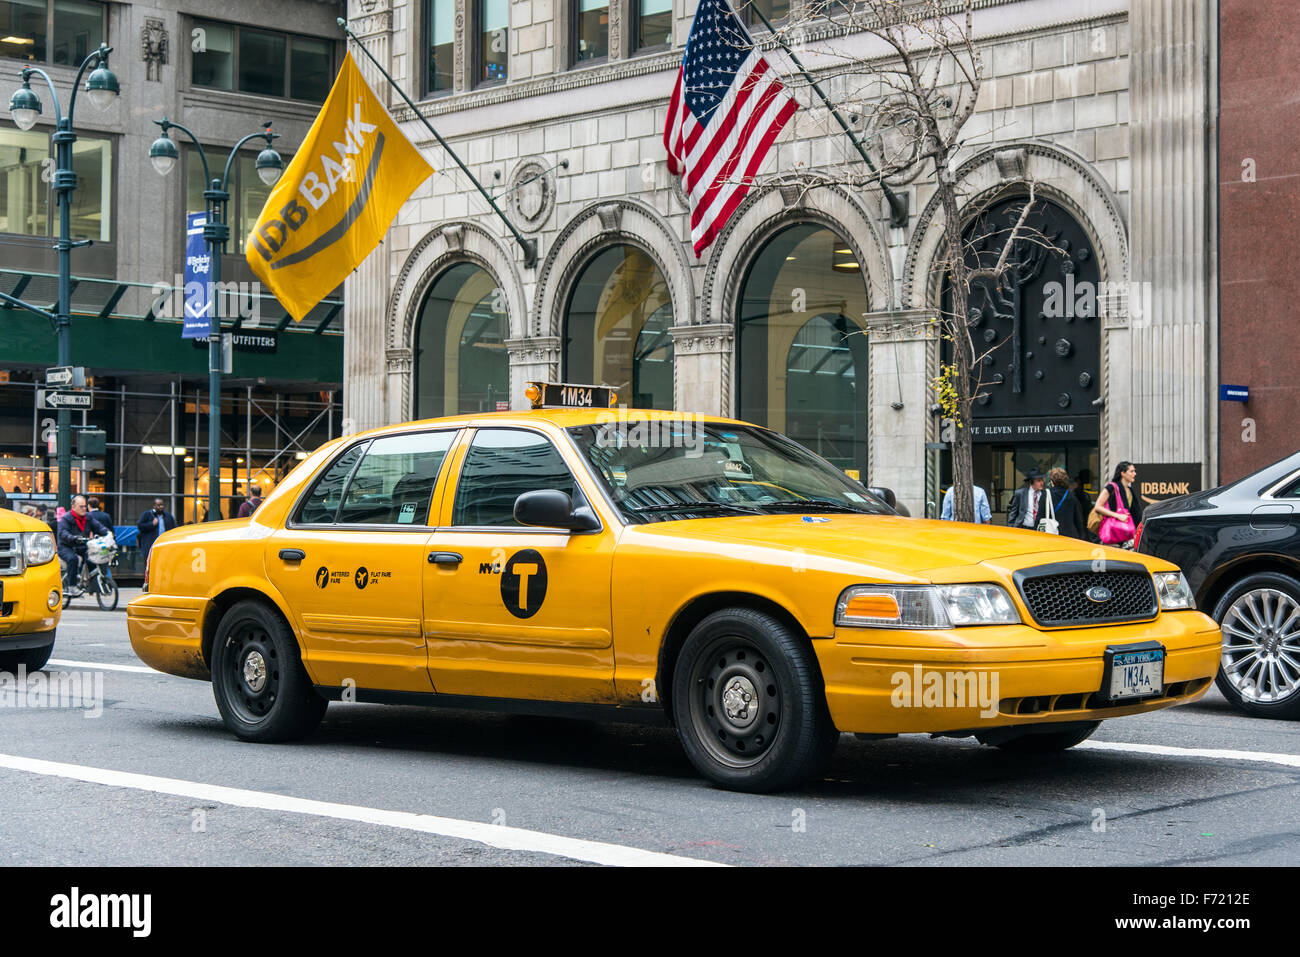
x=1070, y=516
x=250, y=504
x=152, y=524
x=983, y=516
x=97, y=513
x=1119, y=503
x=1027, y=505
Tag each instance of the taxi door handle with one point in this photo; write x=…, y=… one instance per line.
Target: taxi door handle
x=292, y=554
x=445, y=558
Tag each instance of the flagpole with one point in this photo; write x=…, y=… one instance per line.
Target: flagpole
x=529, y=246
x=896, y=205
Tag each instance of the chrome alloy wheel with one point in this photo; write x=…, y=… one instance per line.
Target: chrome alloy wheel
x=735, y=702
x=1261, y=646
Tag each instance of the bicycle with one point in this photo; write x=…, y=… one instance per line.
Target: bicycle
x=96, y=575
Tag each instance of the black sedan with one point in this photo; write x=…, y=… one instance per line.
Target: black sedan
x=1239, y=546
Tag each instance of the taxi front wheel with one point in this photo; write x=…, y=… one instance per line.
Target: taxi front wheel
x=262, y=690
x=749, y=705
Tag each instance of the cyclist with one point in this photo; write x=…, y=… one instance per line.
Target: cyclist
x=75, y=529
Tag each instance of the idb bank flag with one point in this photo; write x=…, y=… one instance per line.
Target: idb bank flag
x=337, y=198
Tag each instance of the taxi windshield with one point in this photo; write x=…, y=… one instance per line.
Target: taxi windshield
x=664, y=470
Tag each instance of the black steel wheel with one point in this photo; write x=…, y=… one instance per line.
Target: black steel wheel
x=749, y=703
x=261, y=688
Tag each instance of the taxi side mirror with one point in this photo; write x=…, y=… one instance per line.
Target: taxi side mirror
x=552, y=508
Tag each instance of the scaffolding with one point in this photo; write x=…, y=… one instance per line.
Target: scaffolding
x=158, y=443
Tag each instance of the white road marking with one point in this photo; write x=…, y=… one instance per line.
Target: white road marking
x=1267, y=757
x=100, y=666
x=493, y=835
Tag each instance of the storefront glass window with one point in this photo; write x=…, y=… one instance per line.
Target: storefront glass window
x=616, y=328
x=461, y=364
x=802, y=363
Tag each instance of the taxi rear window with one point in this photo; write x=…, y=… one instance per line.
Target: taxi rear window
x=392, y=484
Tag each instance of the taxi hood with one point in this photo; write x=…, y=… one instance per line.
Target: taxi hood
x=905, y=546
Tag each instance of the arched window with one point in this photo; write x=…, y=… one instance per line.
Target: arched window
x=801, y=349
x=461, y=364
x=616, y=328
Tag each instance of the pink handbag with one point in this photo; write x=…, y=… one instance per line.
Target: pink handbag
x=1116, y=531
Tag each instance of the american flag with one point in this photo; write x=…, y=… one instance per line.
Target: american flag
x=726, y=110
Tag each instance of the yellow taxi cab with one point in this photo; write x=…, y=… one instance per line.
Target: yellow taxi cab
x=31, y=599
x=652, y=565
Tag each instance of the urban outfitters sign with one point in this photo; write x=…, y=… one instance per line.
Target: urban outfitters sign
x=1167, y=480
x=1061, y=428
x=265, y=342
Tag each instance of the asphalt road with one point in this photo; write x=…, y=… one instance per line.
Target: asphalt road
x=154, y=778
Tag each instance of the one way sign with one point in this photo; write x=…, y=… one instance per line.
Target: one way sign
x=48, y=399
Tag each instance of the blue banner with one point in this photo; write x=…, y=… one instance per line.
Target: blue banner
x=1234, y=393
x=198, y=279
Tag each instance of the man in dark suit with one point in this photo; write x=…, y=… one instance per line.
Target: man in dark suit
x=1027, y=505
x=152, y=524
x=98, y=513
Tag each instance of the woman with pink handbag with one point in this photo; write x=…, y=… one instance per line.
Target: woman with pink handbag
x=1119, y=507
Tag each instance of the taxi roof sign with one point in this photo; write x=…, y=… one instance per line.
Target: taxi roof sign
x=567, y=395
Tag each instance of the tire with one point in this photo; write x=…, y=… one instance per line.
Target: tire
x=1047, y=742
x=33, y=659
x=1261, y=611
x=261, y=688
x=106, y=592
x=778, y=736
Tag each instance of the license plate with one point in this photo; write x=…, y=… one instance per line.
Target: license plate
x=1134, y=671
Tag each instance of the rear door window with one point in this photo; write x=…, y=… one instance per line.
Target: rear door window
x=394, y=483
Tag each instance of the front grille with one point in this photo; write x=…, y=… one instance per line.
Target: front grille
x=11, y=554
x=1056, y=595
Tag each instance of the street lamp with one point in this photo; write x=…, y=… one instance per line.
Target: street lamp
x=25, y=107
x=163, y=156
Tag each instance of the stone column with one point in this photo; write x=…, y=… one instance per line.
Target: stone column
x=1162, y=372
x=702, y=360
x=899, y=400
x=399, y=387
x=532, y=360
x=366, y=290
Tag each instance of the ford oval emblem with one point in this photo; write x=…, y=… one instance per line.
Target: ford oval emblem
x=1098, y=594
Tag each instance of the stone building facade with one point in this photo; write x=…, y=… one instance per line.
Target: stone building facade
x=1105, y=105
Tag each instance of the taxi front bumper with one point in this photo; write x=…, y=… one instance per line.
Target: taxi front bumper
x=26, y=618
x=882, y=681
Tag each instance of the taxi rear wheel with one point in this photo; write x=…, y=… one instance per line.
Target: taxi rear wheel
x=262, y=690
x=749, y=704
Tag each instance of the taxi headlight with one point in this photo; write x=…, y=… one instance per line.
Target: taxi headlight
x=1174, y=592
x=925, y=606
x=38, y=547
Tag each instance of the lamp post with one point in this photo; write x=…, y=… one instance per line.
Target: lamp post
x=163, y=155
x=25, y=107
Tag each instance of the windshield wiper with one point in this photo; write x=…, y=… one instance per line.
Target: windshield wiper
x=692, y=507
x=814, y=505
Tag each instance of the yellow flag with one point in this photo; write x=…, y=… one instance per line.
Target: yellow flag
x=336, y=199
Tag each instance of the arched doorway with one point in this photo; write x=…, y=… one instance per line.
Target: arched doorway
x=461, y=363
x=801, y=348
x=1037, y=335
x=616, y=328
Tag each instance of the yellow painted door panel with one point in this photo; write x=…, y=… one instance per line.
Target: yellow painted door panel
x=357, y=597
